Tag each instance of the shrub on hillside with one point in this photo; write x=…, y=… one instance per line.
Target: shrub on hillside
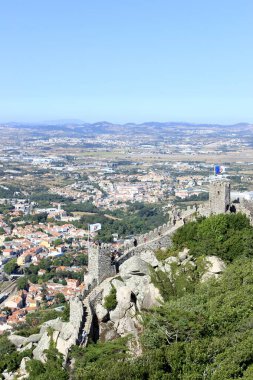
x=110, y=300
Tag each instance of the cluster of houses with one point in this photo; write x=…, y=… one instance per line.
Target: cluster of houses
x=33, y=242
x=16, y=307
x=29, y=244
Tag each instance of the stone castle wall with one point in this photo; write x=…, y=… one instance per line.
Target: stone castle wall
x=100, y=266
x=245, y=207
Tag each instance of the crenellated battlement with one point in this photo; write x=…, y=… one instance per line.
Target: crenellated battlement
x=101, y=269
x=100, y=264
x=219, y=196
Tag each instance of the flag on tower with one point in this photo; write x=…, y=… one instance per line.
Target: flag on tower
x=95, y=227
x=218, y=169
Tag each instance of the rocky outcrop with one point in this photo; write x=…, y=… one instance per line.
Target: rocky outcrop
x=39, y=351
x=134, y=292
x=123, y=303
x=149, y=257
x=101, y=312
x=213, y=267
x=55, y=324
x=117, y=283
x=133, y=267
x=34, y=338
x=127, y=325
x=18, y=340
x=20, y=374
x=107, y=331
x=69, y=333
x=210, y=266
x=63, y=334
x=22, y=369
x=183, y=255
x=151, y=297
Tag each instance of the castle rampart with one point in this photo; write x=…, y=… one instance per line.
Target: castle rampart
x=100, y=263
x=101, y=268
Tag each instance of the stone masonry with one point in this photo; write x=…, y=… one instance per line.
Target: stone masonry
x=99, y=264
x=219, y=197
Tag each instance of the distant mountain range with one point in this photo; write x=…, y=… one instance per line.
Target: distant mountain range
x=78, y=128
x=105, y=124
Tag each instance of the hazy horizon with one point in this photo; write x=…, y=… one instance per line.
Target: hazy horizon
x=79, y=121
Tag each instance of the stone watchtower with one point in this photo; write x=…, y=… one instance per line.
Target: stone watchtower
x=99, y=263
x=219, y=196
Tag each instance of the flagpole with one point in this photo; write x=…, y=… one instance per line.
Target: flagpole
x=88, y=240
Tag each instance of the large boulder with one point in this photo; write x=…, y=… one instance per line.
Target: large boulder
x=137, y=283
x=67, y=331
x=34, y=338
x=8, y=375
x=55, y=324
x=123, y=296
x=127, y=326
x=140, y=288
x=117, y=283
x=18, y=340
x=22, y=369
x=133, y=267
x=183, y=254
x=149, y=257
x=107, y=331
x=29, y=346
x=151, y=297
x=62, y=346
x=213, y=267
x=44, y=343
x=214, y=264
x=101, y=312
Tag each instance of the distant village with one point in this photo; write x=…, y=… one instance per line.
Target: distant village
x=31, y=246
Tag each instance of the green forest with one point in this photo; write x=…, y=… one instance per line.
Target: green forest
x=139, y=218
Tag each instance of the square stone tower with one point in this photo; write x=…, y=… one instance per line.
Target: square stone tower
x=219, y=196
x=99, y=262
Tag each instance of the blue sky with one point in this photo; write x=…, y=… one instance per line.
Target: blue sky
x=129, y=60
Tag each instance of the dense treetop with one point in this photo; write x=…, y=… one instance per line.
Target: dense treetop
x=226, y=235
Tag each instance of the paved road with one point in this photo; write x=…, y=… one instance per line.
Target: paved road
x=7, y=291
